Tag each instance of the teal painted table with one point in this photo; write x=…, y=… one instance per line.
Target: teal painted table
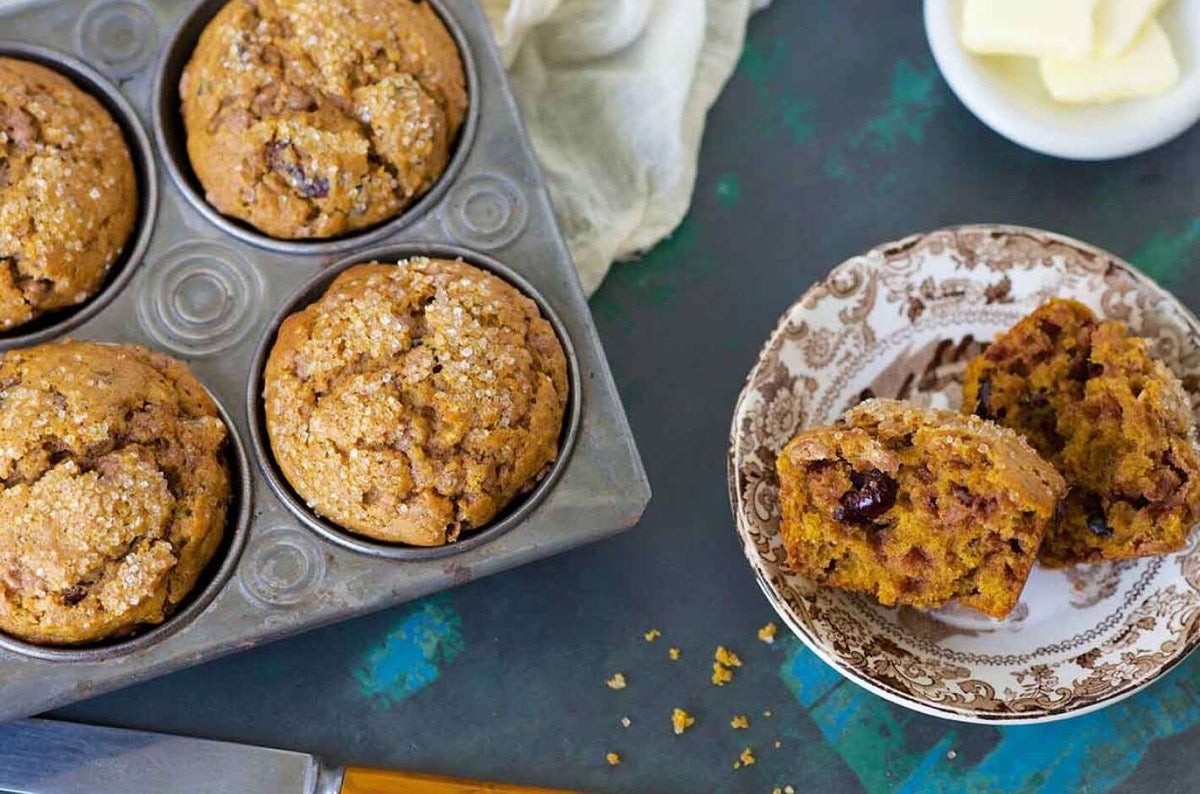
x=836, y=133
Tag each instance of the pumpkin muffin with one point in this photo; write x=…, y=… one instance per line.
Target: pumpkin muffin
x=313, y=119
x=412, y=402
x=68, y=194
x=1115, y=422
x=113, y=488
x=916, y=506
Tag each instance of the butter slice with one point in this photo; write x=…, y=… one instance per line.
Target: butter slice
x=1118, y=22
x=1041, y=28
x=1147, y=67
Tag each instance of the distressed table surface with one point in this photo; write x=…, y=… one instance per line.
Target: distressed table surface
x=836, y=133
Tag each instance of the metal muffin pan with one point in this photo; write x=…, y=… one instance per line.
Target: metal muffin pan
x=212, y=292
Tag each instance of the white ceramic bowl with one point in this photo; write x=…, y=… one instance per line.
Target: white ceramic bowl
x=1007, y=93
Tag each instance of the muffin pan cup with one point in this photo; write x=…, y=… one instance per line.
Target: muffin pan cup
x=212, y=292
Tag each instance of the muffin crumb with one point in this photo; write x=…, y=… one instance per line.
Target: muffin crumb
x=674, y=654
x=617, y=681
x=681, y=720
x=767, y=633
x=723, y=664
x=626, y=722
x=652, y=635
x=739, y=722
x=612, y=758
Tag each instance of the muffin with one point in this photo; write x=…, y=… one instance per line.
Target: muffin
x=68, y=194
x=1116, y=423
x=312, y=120
x=412, y=402
x=916, y=506
x=114, y=488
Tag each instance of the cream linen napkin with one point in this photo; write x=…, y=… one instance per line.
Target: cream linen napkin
x=615, y=93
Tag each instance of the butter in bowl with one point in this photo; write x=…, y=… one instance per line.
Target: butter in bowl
x=1078, y=79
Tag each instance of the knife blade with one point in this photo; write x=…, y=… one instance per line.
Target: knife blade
x=40, y=756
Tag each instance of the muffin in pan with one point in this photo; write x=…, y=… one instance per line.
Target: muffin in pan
x=114, y=486
x=312, y=120
x=414, y=401
x=1117, y=423
x=68, y=192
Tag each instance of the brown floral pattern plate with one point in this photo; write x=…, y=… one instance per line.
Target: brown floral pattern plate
x=901, y=321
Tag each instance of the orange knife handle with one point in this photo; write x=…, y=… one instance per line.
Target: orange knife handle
x=361, y=780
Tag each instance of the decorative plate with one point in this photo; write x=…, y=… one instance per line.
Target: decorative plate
x=901, y=321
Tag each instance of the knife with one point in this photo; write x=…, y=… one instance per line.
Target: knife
x=52, y=757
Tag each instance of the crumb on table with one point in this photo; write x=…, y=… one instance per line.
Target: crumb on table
x=767, y=633
x=652, y=635
x=767, y=713
x=681, y=720
x=723, y=664
x=626, y=722
x=745, y=759
x=612, y=758
x=739, y=722
x=674, y=653
x=617, y=681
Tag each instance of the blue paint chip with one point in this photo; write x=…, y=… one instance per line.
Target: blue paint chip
x=412, y=655
x=808, y=677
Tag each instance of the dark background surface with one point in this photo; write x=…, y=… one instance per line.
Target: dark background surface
x=835, y=134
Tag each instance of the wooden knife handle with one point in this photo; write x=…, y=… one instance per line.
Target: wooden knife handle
x=361, y=780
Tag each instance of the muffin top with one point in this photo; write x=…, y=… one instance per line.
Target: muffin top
x=412, y=402
x=312, y=120
x=113, y=485
x=68, y=194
